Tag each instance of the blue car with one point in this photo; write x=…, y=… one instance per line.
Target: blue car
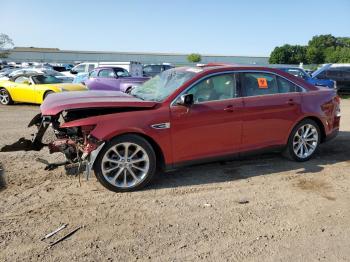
x=312, y=79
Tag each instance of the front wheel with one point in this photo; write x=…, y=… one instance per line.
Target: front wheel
x=303, y=141
x=127, y=163
x=5, y=97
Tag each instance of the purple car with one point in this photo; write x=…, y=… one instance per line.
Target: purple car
x=112, y=78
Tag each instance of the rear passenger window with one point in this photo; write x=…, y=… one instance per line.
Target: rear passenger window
x=257, y=84
x=285, y=86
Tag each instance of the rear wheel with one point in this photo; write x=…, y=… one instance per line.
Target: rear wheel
x=303, y=141
x=5, y=97
x=48, y=93
x=127, y=163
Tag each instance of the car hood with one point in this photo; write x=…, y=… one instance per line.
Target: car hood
x=59, y=102
x=320, y=70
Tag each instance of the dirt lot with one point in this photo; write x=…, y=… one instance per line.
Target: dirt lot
x=296, y=211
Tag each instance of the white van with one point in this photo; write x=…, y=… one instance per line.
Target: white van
x=134, y=68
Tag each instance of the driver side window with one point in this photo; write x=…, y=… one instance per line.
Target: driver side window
x=106, y=73
x=21, y=79
x=219, y=87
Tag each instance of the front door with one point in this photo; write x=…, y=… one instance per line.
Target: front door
x=212, y=126
x=23, y=90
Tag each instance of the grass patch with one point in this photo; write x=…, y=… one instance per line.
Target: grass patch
x=344, y=96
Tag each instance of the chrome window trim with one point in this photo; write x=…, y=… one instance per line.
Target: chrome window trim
x=275, y=74
x=303, y=90
x=173, y=103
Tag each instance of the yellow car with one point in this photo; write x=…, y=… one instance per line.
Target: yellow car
x=33, y=88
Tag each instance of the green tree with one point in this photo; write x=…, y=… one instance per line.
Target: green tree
x=288, y=54
x=343, y=41
x=323, y=41
x=194, y=58
x=5, y=43
x=314, y=55
x=338, y=55
x=320, y=49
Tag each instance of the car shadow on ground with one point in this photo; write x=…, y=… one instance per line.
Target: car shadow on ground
x=332, y=152
x=2, y=179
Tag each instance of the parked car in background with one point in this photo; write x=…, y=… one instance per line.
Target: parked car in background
x=112, y=78
x=299, y=72
x=134, y=68
x=188, y=115
x=81, y=78
x=337, y=72
x=155, y=69
x=42, y=70
x=4, y=73
x=33, y=88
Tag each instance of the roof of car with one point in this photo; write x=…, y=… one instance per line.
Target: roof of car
x=217, y=68
x=288, y=67
x=26, y=74
x=109, y=67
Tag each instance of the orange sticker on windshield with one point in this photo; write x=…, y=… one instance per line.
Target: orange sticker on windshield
x=262, y=82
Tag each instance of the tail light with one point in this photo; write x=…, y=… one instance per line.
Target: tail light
x=337, y=106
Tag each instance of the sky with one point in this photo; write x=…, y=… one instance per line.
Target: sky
x=224, y=27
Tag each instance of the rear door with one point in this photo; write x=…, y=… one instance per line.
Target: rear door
x=272, y=105
x=212, y=125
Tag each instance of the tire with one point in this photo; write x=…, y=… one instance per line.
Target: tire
x=47, y=93
x=112, y=169
x=303, y=141
x=5, y=97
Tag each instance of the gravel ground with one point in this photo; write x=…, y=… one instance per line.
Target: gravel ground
x=263, y=208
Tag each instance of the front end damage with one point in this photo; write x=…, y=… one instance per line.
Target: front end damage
x=76, y=143
x=73, y=117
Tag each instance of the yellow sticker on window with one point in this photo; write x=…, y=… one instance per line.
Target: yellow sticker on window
x=262, y=82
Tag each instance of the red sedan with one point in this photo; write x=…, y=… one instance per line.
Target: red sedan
x=188, y=115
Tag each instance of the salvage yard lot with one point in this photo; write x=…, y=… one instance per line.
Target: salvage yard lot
x=258, y=208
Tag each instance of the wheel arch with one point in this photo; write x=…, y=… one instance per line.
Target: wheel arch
x=320, y=126
x=318, y=122
x=160, y=158
x=47, y=91
x=3, y=87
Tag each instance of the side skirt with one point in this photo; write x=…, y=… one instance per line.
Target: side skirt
x=224, y=158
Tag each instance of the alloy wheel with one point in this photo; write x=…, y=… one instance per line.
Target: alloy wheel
x=305, y=141
x=125, y=165
x=4, y=97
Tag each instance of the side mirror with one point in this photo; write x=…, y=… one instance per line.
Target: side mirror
x=26, y=82
x=72, y=71
x=186, y=100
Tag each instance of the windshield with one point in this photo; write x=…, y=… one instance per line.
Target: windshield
x=52, y=72
x=161, y=86
x=45, y=79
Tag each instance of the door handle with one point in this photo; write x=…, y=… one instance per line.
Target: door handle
x=229, y=109
x=290, y=102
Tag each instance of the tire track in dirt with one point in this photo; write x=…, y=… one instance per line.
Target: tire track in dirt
x=2, y=179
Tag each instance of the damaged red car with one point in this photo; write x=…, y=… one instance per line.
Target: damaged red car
x=185, y=116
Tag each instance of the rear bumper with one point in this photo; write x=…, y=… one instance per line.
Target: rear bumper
x=332, y=135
